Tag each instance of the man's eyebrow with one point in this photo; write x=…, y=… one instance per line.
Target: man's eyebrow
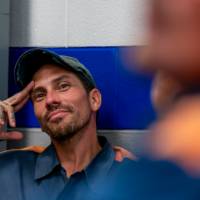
x=38, y=89
x=61, y=78
x=58, y=79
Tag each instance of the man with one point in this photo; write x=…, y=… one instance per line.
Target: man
x=65, y=101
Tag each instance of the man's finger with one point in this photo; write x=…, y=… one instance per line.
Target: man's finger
x=9, y=112
x=11, y=117
x=13, y=135
x=21, y=104
x=17, y=98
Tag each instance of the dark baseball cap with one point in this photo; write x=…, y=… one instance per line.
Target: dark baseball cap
x=32, y=60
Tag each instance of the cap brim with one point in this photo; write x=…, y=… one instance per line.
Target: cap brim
x=29, y=63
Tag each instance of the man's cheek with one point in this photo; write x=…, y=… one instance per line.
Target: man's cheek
x=39, y=115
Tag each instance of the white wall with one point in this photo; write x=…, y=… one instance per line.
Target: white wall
x=38, y=23
x=105, y=22
x=69, y=23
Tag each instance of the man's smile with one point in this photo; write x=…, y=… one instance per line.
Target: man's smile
x=54, y=115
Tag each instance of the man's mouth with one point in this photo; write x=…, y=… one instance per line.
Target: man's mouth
x=54, y=115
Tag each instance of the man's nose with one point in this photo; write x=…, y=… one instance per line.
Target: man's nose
x=52, y=98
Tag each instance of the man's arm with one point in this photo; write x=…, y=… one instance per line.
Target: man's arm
x=8, y=108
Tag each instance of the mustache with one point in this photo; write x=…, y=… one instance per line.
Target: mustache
x=52, y=108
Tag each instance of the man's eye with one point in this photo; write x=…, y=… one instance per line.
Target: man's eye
x=63, y=86
x=39, y=96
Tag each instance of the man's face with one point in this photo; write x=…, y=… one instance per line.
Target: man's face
x=60, y=102
x=175, y=36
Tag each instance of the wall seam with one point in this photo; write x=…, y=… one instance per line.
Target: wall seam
x=66, y=29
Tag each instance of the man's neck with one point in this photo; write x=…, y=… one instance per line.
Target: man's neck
x=76, y=153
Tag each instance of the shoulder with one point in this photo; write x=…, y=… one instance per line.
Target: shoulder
x=122, y=153
x=123, y=167
x=18, y=156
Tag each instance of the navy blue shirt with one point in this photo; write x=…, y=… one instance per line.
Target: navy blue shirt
x=28, y=175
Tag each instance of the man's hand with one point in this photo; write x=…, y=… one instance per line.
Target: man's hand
x=8, y=108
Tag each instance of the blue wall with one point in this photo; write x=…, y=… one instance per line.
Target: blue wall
x=126, y=94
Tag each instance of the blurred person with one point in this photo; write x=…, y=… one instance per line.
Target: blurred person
x=165, y=90
x=65, y=100
x=175, y=137
x=174, y=44
x=169, y=167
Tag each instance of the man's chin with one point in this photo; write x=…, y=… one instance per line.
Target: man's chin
x=59, y=131
x=55, y=122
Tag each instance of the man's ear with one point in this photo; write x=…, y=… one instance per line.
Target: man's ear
x=95, y=99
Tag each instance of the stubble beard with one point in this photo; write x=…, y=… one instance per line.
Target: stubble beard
x=61, y=130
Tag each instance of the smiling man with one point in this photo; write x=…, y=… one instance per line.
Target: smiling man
x=65, y=101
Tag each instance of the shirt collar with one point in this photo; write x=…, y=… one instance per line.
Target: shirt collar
x=46, y=162
x=100, y=166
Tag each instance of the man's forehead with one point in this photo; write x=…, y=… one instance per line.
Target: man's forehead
x=50, y=70
x=49, y=74
x=52, y=80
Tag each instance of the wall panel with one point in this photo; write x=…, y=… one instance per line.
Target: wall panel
x=38, y=23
